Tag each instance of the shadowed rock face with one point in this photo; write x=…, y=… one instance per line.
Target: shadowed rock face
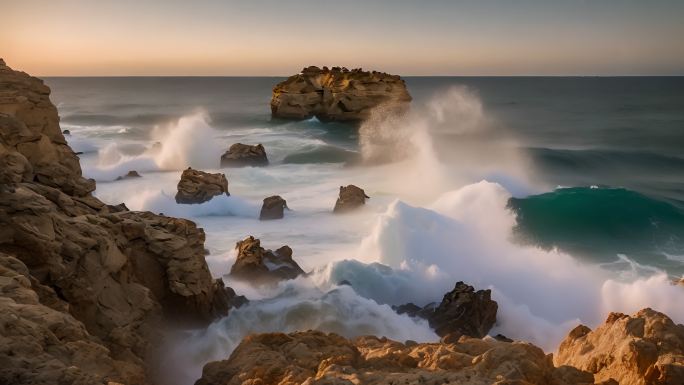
x=336, y=94
x=646, y=348
x=351, y=198
x=314, y=357
x=273, y=208
x=463, y=311
x=242, y=155
x=258, y=265
x=89, y=284
x=198, y=186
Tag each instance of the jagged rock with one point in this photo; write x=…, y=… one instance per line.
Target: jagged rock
x=273, y=208
x=129, y=175
x=466, y=311
x=198, y=186
x=241, y=155
x=351, y=197
x=66, y=132
x=646, y=348
x=463, y=311
x=256, y=264
x=32, y=143
x=314, y=357
x=335, y=94
x=89, y=283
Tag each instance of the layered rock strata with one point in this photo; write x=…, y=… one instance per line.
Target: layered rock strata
x=351, y=198
x=197, y=186
x=242, y=155
x=85, y=286
x=336, y=94
x=258, y=265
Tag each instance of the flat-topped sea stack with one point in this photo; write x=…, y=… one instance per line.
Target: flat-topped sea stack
x=336, y=94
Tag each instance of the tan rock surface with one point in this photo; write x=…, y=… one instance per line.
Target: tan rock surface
x=241, y=155
x=351, y=197
x=317, y=358
x=259, y=265
x=197, y=186
x=102, y=278
x=336, y=94
x=646, y=348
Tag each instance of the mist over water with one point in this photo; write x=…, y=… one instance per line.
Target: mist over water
x=463, y=186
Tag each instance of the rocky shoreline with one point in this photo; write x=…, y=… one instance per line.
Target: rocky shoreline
x=86, y=287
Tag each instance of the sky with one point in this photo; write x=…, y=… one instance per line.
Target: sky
x=278, y=37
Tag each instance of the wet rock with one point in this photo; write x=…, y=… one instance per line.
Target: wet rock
x=258, y=265
x=466, y=311
x=350, y=198
x=66, y=132
x=241, y=155
x=463, y=311
x=336, y=94
x=198, y=186
x=642, y=349
x=314, y=357
x=273, y=208
x=129, y=175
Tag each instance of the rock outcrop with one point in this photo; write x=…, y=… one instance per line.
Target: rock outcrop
x=273, y=208
x=463, y=311
x=336, y=94
x=85, y=286
x=197, y=186
x=314, y=357
x=350, y=198
x=258, y=265
x=129, y=175
x=242, y=155
x=646, y=348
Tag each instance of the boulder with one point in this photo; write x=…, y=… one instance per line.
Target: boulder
x=198, y=186
x=351, y=198
x=258, y=265
x=129, y=175
x=646, y=348
x=463, y=311
x=273, y=208
x=314, y=357
x=336, y=94
x=241, y=155
x=84, y=286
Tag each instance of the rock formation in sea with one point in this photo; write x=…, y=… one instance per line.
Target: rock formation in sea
x=129, y=175
x=646, y=348
x=350, y=198
x=241, y=155
x=86, y=286
x=258, y=265
x=273, y=208
x=463, y=311
x=197, y=186
x=336, y=94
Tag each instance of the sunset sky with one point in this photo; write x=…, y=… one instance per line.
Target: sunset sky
x=259, y=37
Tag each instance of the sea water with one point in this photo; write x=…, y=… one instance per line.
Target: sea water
x=564, y=196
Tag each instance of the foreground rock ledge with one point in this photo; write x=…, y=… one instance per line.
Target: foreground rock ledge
x=84, y=287
x=336, y=94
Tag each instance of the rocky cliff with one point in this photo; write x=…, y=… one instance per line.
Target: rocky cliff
x=85, y=286
x=642, y=349
x=336, y=94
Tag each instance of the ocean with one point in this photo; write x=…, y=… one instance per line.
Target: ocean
x=564, y=195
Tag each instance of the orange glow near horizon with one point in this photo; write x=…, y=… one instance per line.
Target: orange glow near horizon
x=73, y=38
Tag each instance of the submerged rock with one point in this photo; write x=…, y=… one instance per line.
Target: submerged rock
x=241, y=155
x=314, y=357
x=336, y=94
x=256, y=264
x=273, y=208
x=351, y=197
x=646, y=348
x=129, y=175
x=84, y=286
x=198, y=186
